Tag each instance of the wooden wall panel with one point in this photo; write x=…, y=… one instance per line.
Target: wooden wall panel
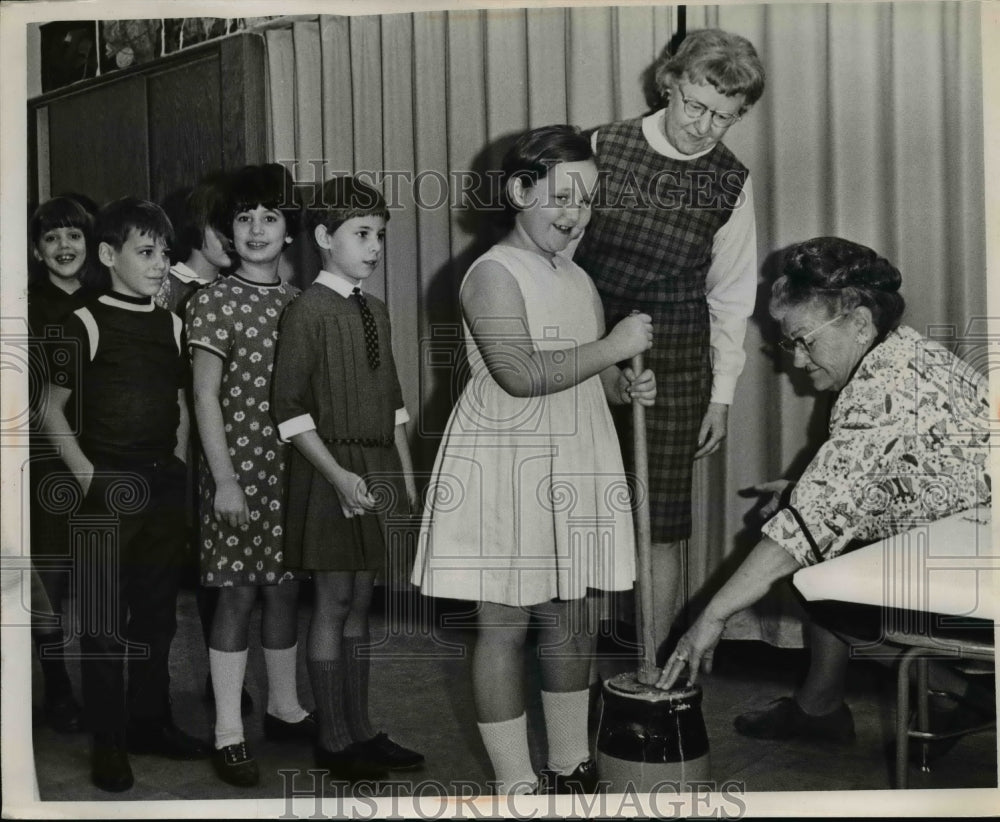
x=185, y=126
x=98, y=141
x=146, y=130
x=37, y=124
x=244, y=103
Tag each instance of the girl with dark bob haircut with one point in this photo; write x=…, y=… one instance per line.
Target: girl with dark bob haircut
x=535, y=152
x=64, y=211
x=270, y=186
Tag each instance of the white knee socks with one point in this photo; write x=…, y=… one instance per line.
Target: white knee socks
x=507, y=744
x=566, y=716
x=228, y=669
x=282, y=684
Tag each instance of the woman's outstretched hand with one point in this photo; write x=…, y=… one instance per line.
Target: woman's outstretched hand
x=694, y=651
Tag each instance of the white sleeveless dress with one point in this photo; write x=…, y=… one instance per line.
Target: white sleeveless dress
x=529, y=500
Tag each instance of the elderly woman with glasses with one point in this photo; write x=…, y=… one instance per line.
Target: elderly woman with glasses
x=673, y=235
x=908, y=419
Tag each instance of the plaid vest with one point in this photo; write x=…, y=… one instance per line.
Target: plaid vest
x=650, y=238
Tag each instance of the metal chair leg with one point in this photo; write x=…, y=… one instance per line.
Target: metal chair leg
x=903, y=714
x=923, y=709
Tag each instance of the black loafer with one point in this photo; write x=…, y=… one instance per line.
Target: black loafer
x=167, y=740
x=383, y=751
x=109, y=767
x=784, y=719
x=347, y=765
x=63, y=714
x=277, y=730
x=581, y=780
x=234, y=765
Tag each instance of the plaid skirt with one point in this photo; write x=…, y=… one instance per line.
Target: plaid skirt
x=680, y=358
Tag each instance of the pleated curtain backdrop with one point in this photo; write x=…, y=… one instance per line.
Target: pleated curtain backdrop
x=870, y=128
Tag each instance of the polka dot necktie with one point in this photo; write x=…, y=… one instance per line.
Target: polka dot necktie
x=371, y=331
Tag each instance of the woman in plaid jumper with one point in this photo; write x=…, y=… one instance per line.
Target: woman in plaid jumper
x=673, y=235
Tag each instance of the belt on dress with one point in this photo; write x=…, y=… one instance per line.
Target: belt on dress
x=140, y=465
x=367, y=442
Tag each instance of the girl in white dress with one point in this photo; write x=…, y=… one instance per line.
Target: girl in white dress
x=528, y=511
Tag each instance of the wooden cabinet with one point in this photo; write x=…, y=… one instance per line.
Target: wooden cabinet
x=154, y=128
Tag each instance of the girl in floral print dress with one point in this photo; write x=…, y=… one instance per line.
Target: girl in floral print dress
x=232, y=329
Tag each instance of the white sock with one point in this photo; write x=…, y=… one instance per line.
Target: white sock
x=507, y=744
x=566, y=715
x=228, y=669
x=282, y=684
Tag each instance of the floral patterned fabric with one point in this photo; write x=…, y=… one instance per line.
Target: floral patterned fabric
x=908, y=444
x=238, y=320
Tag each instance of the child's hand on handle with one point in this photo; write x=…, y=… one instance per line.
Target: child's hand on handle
x=229, y=504
x=353, y=494
x=641, y=389
x=694, y=651
x=632, y=335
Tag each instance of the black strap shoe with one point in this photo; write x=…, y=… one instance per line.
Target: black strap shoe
x=383, y=751
x=109, y=767
x=165, y=739
x=348, y=766
x=581, y=780
x=234, y=765
x=277, y=730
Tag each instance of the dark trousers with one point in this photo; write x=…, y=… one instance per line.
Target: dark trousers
x=129, y=557
x=54, y=496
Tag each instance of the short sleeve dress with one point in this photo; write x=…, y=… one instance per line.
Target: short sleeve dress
x=237, y=320
x=529, y=500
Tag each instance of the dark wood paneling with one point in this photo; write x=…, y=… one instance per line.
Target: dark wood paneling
x=32, y=146
x=98, y=142
x=185, y=125
x=244, y=112
x=151, y=128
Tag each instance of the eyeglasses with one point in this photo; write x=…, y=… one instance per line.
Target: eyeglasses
x=793, y=344
x=696, y=110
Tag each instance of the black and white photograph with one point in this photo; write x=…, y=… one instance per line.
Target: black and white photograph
x=483, y=409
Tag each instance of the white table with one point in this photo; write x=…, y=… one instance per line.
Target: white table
x=950, y=566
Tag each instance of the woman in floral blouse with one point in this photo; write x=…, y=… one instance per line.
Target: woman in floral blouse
x=907, y=442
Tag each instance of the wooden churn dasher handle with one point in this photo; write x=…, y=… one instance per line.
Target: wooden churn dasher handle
x=648, y=672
